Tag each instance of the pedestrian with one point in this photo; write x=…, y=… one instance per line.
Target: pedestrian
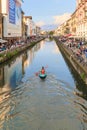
x=86, y=55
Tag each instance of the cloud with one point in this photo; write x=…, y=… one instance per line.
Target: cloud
x=40, y=23
x=61, y=18
x=55, y=21
x=49, y=27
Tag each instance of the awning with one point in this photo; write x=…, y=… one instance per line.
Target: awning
x=68, y=35
x=3, y=41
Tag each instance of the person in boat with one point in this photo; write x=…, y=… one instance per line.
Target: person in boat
x=42, y=70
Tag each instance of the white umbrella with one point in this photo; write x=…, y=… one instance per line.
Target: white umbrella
x=3, y=41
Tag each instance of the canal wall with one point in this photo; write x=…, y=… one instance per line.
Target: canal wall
x=11, y=53
x=80, y=68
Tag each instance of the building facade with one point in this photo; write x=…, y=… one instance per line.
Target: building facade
x=23, y=25
x=31, y=27
x=77, y=24
x=38, y=30
x=73, y=24
x=28, y=21
x=0, y=21
x=11, y=10
x=81, y=16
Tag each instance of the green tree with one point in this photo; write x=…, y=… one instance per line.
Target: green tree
x=51, y=32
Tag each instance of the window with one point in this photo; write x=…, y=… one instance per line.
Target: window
x=86, y=13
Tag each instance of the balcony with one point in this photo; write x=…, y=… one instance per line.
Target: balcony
x=83, y=1
x=85, y=8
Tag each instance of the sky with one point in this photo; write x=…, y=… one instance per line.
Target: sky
x=49, y=12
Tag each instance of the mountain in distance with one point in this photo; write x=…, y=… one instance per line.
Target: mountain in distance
x=49, y=27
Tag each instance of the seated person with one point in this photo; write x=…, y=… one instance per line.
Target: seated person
x=42, y=70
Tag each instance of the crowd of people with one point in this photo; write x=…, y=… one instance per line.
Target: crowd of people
x=79, y=49
x=12, y=44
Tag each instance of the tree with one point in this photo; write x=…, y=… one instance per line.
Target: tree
x=51, y=32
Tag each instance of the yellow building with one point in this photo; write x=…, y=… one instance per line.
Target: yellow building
x=73, y=24
x=81, y=19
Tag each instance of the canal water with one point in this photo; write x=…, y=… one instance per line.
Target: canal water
x=29, y=103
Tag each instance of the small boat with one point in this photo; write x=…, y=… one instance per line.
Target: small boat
x=42, y=76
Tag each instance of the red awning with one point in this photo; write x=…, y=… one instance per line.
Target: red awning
x=68, y=35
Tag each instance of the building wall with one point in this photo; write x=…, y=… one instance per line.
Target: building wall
x=0, y=6
x=23, y=25
x=0, y=26
x=78, y=25
x=73, y=24
x=0, y=21
x=33, y=29
x=29, y=24
x=38, y=30
x=81, y=20
x=12, y=19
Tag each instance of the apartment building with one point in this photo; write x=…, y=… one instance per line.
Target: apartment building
x=81, y=19
x=12, y=19
x=0, y=21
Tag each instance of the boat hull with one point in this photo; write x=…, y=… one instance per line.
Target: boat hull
x=42, y=76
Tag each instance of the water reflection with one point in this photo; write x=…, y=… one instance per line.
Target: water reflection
x=10, y=77
x=1, y=76
x=44, y=105
x=4, y=104
x=12, y=73
x=81, y=87
x=27, y=102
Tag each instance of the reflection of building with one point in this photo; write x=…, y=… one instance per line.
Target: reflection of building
x=4, y=96
x=13, y=74
x=1, y=77
x=24, y=62
x=5, y=110
x=4, y=104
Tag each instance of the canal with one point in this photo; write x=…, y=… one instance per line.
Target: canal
x=28, y=103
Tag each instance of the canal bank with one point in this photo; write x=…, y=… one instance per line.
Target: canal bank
x=79, y=67
x=10, y=53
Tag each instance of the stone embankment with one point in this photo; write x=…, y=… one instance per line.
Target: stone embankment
x=12, y=52
x=77, y=62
